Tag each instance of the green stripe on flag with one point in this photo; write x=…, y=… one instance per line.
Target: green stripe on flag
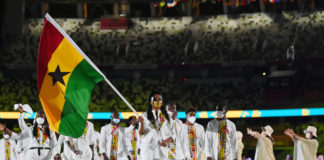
x=77, y=97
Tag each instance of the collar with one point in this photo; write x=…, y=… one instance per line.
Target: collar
x=153, y=111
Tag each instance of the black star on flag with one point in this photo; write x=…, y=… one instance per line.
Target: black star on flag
x=58, y=75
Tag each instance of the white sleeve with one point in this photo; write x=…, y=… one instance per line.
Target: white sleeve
x=53, y=140
x=21, y=122
x=233, y=141
x=185, y=142
x=91, y=135
x=22, y=135
x=165, y=131
x=201, y=137
x=208, y=141
x=127, y=142
x=102, y=141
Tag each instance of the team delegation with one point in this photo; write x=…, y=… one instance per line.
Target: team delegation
x=156, y=135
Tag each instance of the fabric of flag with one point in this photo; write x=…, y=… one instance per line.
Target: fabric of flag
x=274, y=1
x=66, y=78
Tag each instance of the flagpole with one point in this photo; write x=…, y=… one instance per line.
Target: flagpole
x=61, y=30
x=121, y=96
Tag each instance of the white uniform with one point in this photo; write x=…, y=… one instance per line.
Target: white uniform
x=106, y=138
x=173, y=129
x=264, y=149
x=212, y=140
x=305, y=149
x=7, y=148
x=96, y=145
x=39, y=148
x=21, y=149
x=150, y=139
x=200, y=141
x=82, y=144
x=133, y=136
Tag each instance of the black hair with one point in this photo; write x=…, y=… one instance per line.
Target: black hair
x=191, y=109
x=46, y=127
x=149, y=107
x=130, y=119
x=221, y=107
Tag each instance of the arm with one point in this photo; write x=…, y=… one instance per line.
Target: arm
x=102, y=141
x=208, y=142
x=21, y=121
x=185, y=142
x=253, y=133
x=72, y=147
x=202, y=137
x=141, y=126
x=234, y=141
x=288, y=132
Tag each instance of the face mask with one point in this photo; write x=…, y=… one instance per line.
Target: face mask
x=192, y=120
x=116, y=121
x=170, y=113
x=157, y=104
x=220, y=114
x=308, y=136
x=6, y=136
x=40, y=120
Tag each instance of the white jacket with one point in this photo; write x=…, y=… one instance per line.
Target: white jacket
x=129, y=136
x=200, y=132
x=106, y=140
x=149, y=142
x=211, y=140
x=12, y=149
x=168, y=129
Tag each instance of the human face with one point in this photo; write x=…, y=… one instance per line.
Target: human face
x=172, y=108
x=157, y=102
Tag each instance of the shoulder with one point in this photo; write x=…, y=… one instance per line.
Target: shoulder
x=212, y=122
x=230, y=123
x=179, y=121
x=105, y=127
x=90, y=124
x=197, y=125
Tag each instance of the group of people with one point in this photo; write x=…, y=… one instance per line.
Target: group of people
x=156, y=135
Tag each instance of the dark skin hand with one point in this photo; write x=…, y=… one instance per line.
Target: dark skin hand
x=141, y=129
x=166, y=142
x=57, y=157
x=73, y=148
x=105, y=156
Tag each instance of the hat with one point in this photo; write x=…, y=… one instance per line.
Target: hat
x=311, y=129
x=268, y=130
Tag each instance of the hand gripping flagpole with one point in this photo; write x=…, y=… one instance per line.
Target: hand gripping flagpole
x=61, y=30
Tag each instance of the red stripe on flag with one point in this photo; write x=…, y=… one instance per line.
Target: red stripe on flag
x=49, y=41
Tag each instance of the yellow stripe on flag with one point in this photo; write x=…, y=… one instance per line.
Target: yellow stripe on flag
x=67, y=57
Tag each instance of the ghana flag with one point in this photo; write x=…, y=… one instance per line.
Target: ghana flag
x=66, y=78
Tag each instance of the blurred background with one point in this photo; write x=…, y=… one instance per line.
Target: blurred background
x=248, y=54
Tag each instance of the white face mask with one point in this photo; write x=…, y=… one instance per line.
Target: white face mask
x=40, y=120
x=6, y=136
x=170, y=113
x=192, y=120
x=220, y=114
x=115, y=120
x=308, y=135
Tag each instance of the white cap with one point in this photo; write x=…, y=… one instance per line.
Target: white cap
x=268, y=130
x=311, y=129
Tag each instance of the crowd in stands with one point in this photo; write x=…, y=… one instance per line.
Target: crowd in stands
x=257, y=36
x=184, y=94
